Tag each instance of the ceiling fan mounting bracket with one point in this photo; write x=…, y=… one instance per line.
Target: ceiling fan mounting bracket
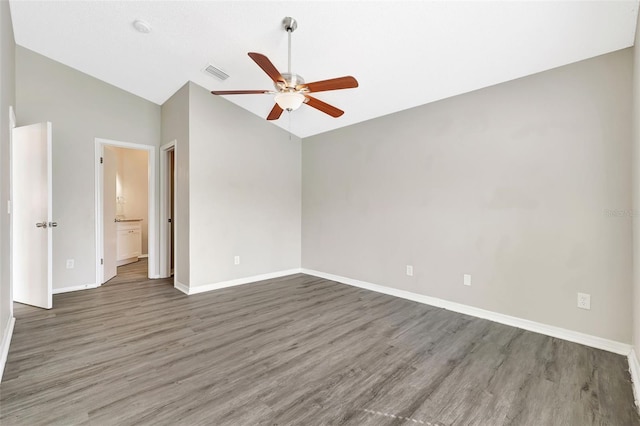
x=289, y=24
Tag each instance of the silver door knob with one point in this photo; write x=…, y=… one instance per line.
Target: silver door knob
x=41, y=224
x=53, y=224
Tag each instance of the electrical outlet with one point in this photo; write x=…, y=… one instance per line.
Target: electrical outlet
x=467, y=279
x=236, y=260
x=410, y=270
x=584, y=301
x=70, y=263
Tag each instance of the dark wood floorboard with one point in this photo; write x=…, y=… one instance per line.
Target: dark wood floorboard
x=297, y=350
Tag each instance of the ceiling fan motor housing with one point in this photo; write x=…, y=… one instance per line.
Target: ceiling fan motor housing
x=291, y=80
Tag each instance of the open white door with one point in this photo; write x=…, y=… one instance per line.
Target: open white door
x=31, y=180
x=109, y=169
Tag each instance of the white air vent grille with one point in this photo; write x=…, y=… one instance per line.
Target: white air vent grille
x=216, y=72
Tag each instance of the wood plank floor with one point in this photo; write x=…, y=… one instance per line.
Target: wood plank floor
x=297, y=350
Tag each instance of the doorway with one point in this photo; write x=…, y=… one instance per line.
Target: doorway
x=168, y=220
x=125, y=207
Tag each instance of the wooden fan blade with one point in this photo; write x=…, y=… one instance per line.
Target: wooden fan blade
x=240, y=92
x=323, y=106
x=347, y=82
x=275, y=112
x=266, y=65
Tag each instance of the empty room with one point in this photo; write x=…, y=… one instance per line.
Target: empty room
x=319, y=212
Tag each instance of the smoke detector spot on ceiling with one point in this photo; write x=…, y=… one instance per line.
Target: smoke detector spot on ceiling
x=216, y=72
x=142, y=26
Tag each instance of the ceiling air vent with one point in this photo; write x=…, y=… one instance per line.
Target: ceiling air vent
x=216, y=72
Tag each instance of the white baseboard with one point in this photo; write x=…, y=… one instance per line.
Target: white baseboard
x=634, y=370
x=127, y=261
x=142, y=256
x=183, y=288
x=548, y=330
x=4, y=346
x=240, y=281
x=74, y=288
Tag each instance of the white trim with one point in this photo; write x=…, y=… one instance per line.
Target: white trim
x=74, y=288
x=98, y=212
x=126, y=261
x=548, y=330
x=6, y=342
x=238, y=281
x=142, y=256
x=164, y=251
x=183, y=288
x=12, y=125
x=634, y=370
x=152, y=228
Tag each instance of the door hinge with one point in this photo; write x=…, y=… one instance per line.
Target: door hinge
x=169, y=220
x=102, y=261
x=101, y=160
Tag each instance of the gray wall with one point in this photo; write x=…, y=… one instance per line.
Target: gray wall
x=525, y=185
x=175, y=126
x=7, y=98
x=244, y=192
x=636, y=190
x=81, y=108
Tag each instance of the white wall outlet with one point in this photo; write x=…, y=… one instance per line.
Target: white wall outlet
x=410, y=270
x=236, y=260
x=467, y=279
x=70, y=263
x=584, y=301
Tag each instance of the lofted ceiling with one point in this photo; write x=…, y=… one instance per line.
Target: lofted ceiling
x=403, y=53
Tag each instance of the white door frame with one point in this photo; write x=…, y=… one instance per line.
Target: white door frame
x=151, y=232
x=165, y=206
x=12, y=125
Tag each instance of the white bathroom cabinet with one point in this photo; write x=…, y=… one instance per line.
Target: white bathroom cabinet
x=129, y=242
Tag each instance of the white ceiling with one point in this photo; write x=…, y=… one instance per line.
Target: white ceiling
x=403, y=53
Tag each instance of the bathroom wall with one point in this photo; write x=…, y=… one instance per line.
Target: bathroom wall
x=132, y=188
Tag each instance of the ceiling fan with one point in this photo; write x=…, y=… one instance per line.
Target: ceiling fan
x=290, y=89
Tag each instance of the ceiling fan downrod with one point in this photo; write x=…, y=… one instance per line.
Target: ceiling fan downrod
x=289, y=24
x=292, y=81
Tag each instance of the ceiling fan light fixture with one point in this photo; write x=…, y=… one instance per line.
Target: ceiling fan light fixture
x=289, y=101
